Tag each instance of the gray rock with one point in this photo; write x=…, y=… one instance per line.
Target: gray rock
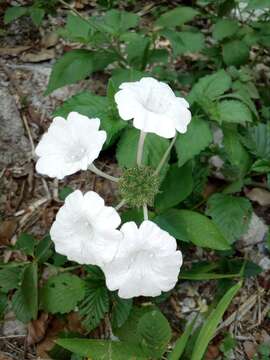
x=14, y=146
x=257, y=230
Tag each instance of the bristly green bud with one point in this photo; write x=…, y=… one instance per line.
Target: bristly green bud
x=139, y=186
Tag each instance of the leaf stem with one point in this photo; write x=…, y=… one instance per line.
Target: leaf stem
x=122, y=202
x=95, y=170
x=140, y=148
x=166, y=154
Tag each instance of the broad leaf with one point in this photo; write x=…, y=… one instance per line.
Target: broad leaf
x=10, y=278
x=196, y=139
x=120, y=310
x=77, y=29
x=231, y=214
x=102, y=349
x=209, y=327
x=187, y=225
x=93, y=106
x=25, y=299
x=235, y=53
x=184, y=41
x=176, y=17
x=233, y=111
x=14, y=12
x=76, y=65
x=61, y=293
x=257, y=140
x=37, y=15
x=116, y=22
x=224, y=28
x=176, y=187
x=155, y=333
x=26, y=243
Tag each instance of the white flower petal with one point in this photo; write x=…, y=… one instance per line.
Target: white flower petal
x=69, y=145
x=75, y=232
x=153, y=107
x=146, y=262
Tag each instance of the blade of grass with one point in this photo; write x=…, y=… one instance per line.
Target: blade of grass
x=208, y=329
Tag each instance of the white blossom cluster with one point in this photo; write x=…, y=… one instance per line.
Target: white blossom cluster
x=136, y=260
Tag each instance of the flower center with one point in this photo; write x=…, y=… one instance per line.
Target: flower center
x=155, y=104
x=76, y=153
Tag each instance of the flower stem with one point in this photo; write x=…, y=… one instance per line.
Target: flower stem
x=145, y=212
x=122, y=202
x=166, y=154
x=102, y=174
x=140, y=148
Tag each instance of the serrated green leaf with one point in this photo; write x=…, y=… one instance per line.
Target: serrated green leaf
x=116, y=22
x=209, y=327
x=176, y=187
x=184, y=41
x=10, y=278
x=102, y=349
x=155, y=333
x=196, y=139
x=257, y=140
x=187, y=225
x=224, y=28
x=235, y=53
x=37, y=14
x=93, y=106
x=210, y=87
x=61, y=293
x=76, y=65
x=95, y=304
x=25, y=299
x=14, y=12
x=120, y=310
x=176, y=17
x=233, y=111
x=231, y=214
x=26, y=243
x=77, y=29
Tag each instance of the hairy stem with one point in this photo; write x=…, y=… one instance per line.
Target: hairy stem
x=145, y=212
x=166, y=154
x=140, y=148
x=102, y=174
x=118, y=206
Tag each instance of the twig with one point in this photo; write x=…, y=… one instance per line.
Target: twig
x=27, y=128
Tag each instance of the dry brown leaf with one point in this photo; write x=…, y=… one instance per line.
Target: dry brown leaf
x=13, y=51
x=37, y=329
x=49, y=40
x=74, y=323
x=250, y=349
x=7, y=230
x=5, y=357
x=261, y=196
x=212, y=352
x=43, y=55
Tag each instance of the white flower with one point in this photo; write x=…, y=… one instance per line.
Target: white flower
x=85, y=229
x=69, y=145
x=153, y=107
x=146, y=262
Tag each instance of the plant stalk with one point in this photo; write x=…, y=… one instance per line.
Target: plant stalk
x=140, y=148
x=102, y=174
x=166, y=154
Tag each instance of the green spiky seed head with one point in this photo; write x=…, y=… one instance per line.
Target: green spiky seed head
x=139, y=186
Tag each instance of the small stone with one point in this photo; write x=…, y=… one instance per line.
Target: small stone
x=12, y=326
x=265, y=263
x=189, y=302
x=256, y=231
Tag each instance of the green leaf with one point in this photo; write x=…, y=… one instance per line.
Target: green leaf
x=25, y=299
x=237, y=154
x=196, y=139
x=224, y=28
x=43, y=249
x=76, y=65
x=233, y=111
x=64, y=192
x=257, y=140
x=176, y=17
x=14, y=12
x=95, y=304
x=176, y=187
x=10, y=278
x=187, y=225
x=26, y=243
x=120, y=310
x=77, y=29
x=155, y=333
x=102, y=349
x=137, y=51
x=235, y=53
x=3, y=304
x=154, y=148
x=61, y=293
x=181, y=342
x=231, y=214
x=93, y=106
x=184, y=41
x=37, y=15
x=261, y=166
x=258, y=4
x=209, y=327
x=210, y=87
x=116, y=22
